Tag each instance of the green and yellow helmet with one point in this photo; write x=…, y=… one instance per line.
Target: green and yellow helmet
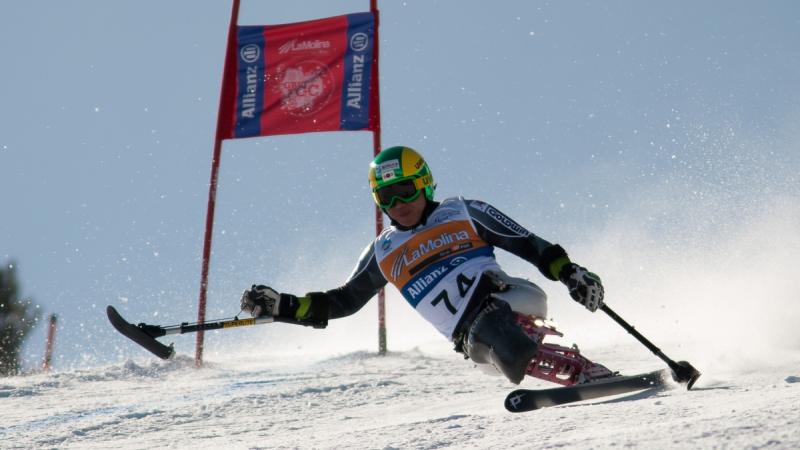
x=397, y=164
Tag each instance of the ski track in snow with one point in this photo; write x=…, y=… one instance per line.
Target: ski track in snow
x=414, y=399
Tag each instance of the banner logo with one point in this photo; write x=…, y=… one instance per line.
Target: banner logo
x=250, y=80
x=357, y=67
x=250, y=53
x=294, y=46
x=359, y=42
x=305, y=88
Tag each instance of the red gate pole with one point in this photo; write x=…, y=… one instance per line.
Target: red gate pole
x=51, y=338
x=376, y=143
x=224, y=118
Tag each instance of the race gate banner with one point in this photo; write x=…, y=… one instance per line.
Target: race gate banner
x=304, y=77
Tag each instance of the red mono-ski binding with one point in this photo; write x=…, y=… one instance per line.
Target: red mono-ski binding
x=555, y=363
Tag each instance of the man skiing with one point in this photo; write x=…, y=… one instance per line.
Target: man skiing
x=440, y=256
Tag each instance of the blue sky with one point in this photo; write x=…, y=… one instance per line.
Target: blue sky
x=622, y=130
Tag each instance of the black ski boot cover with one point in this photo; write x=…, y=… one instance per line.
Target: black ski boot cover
x=495, y=338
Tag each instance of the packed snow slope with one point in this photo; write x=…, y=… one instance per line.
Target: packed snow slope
x=424, y=398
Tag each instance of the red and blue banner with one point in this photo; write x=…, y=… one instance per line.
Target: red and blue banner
x=304, y=77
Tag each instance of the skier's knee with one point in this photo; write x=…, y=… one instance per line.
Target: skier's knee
x=523, y=296
x=495, y=338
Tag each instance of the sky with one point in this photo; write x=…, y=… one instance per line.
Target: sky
x=657, y=142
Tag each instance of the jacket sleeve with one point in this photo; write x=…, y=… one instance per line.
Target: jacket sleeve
x=365, y=281
x=315, y=308
x=501, y=231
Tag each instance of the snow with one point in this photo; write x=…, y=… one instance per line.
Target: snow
x=427, y=397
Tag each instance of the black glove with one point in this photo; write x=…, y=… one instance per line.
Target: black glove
x=260, y=301
x=311, y=310
x=584, y=286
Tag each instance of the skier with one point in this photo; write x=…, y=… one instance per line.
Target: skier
x=440, y=256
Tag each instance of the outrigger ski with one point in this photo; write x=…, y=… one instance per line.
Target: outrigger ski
x=145, y=335
x=522, y=400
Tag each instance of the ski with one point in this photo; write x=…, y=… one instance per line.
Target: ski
x=522, y=400
x=145, y=335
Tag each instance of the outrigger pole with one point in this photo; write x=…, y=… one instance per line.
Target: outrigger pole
x=145, y=335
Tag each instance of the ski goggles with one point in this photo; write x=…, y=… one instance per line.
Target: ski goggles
x=403, y=191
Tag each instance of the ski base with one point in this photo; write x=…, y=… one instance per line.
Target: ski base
x=522, y=400
x=144, y=335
